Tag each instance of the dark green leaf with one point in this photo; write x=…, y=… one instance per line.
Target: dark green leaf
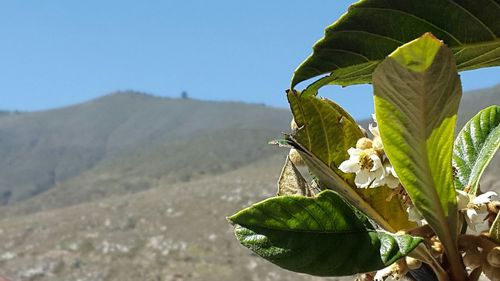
x=372, y=29
x=475, y=146
x=319, y=236
x=417, y=93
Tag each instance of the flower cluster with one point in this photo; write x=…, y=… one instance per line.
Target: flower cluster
x=474, y=208
x=369, y=162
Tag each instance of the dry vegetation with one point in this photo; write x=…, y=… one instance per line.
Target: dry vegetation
x=150, y=205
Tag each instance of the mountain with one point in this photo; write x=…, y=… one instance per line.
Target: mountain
x=147, y=185
x=473, y=101
x=171, y=233
x=128, y=142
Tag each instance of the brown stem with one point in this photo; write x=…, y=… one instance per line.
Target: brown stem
x=424, y=231
x=457, y=269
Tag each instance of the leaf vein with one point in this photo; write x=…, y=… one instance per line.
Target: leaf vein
x=415, y=17
x=475, y=17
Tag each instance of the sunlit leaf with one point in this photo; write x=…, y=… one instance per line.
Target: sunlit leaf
x=417, y=93
x=475, y=146
x=326, y=133
x=320, y=236
x=323, y=129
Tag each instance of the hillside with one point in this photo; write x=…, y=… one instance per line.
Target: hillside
x=89, y=147
x=156, y=212
x=473, y=101
x=172, y=233
x=129, y=142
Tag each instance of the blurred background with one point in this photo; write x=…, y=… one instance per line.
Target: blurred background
x=129, y=130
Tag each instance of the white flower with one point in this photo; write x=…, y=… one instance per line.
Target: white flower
x=370, y=163
x=367, y=165
x=415, y=216
x=474, y=208
x=390, y=177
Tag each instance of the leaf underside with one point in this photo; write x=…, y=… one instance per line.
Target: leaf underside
x=291, y=181
x=417, y=93
x=372, y=29
x=321, y=236
x=475, y=146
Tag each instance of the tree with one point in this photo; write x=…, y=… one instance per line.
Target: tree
x=383, y=205
x=184, y=95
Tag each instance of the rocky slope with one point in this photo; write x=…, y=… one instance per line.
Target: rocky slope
x=152, y=205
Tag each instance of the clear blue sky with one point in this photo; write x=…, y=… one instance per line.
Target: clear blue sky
x=56, y=53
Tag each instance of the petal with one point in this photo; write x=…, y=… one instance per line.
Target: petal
x=484, y=198
x=391, y=181
x=462, y=199
x=377, y=177
x=362, y=179
x=377, y=163
x=349, y=166
x=377, y=143
x=413, y=214
x=374, y=130
x=354, y=151
x=473, y=216
x=377, y=182
x=390, y=169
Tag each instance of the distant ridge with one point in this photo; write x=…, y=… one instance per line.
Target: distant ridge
x=41, y=150
x=127, y=142
x=95, y=225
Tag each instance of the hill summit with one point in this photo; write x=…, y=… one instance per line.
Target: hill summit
x=128, y=141
x=135, y=187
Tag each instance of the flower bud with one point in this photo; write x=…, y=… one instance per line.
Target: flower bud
x=493, y=257
x=364, y=143
x=436, y=247
x=413, y=263
x=294, y=125
x=295, y=157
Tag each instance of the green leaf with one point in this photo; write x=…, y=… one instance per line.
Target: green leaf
x=279, y=143
x=321, y=236
x=475, y=146
x=495, y=230
x=324, y=129
x=416, y=103
x=355, y=44
x=325, y=134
